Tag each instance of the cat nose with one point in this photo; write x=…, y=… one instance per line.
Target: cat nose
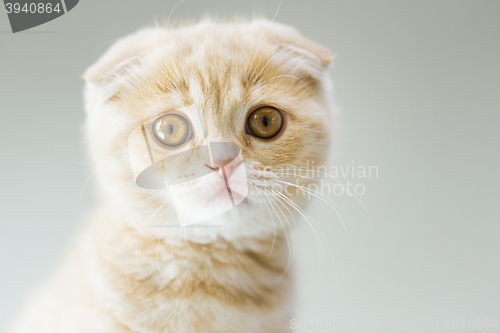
x=224, y=167
x=220, y=166
x=224, y=156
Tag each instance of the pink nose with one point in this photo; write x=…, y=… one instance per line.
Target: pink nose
x=221, y=169
x=224, y=167
x=227, y=170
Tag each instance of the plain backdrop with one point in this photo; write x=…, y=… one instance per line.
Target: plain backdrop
x=417, y=83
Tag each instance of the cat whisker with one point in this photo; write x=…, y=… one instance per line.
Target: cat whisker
x=319, y=197
x=276, y=54
x=261, y=37
x=293, y=205
x=344, y=188
x=278, y=76
x=261, y=215
x=291, y=254
x=314, y=227
x=169, y=15
x=339, y=184
x=274, y=227
x=284, y=230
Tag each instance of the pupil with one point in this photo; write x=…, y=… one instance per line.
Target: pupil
x=265, y=121
x=170, y=129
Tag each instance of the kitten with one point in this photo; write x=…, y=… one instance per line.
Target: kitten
x=185, y=103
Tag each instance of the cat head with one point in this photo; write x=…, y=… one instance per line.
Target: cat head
x=224, y=111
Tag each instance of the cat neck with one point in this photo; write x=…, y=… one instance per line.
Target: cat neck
x=145, y=254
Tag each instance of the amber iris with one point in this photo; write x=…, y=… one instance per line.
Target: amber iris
x=265, y=122
x=171, y=130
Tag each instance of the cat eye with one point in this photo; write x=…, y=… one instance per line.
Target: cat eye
x=265, y=122
x=171, y=130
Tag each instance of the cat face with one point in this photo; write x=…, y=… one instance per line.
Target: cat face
x=250, y=96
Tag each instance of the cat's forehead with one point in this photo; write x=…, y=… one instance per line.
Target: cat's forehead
x=220, y=72
x=218, y=76
x=216, y=70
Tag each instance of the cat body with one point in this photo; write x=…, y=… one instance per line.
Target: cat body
x=130, y=270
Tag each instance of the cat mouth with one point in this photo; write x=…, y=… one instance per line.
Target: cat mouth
x=226, y=191
x=223, y=191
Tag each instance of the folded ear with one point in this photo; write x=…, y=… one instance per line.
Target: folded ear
x=123, y=55
x=293, y=40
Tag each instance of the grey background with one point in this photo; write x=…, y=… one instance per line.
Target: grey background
x=418, y=85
